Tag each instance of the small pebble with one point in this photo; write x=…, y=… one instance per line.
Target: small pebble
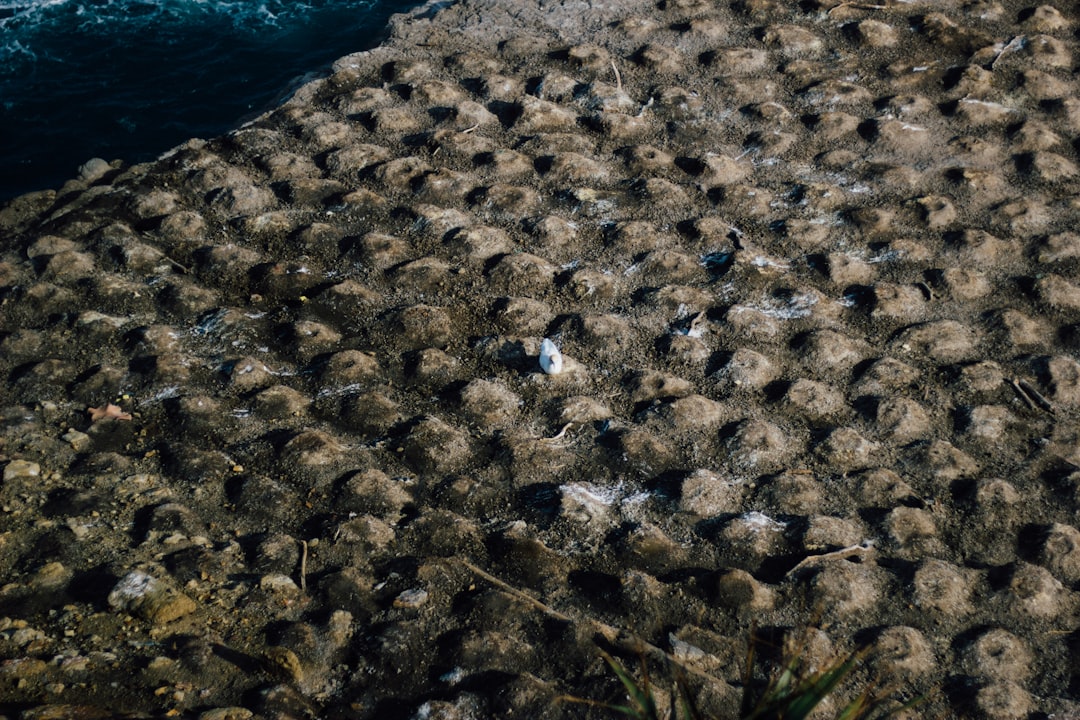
x=21, y=469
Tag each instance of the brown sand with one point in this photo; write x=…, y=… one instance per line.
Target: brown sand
x=814, y=273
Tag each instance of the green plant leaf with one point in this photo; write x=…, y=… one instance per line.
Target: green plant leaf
x=857, y=707
x=789, y=694
x=689, y=710
x=815, y=688
x=791, y=697
x=640, y=695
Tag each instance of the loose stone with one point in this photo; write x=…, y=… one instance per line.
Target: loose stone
x=752, y=537
x=903, y=420
x=760, y=446
x=843, y=590
x=793, y=493
x=21, y=470
x=943, y=589
x=488, y=403
x=738, y=589
x=749, y=369
x=434, y=446
x=706, y=494
x=1061, y=552
x=903, y=654
x=997, y=654
x=846, y=450
x=149, y=597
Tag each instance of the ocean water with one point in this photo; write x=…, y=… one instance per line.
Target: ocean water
x=129, y=79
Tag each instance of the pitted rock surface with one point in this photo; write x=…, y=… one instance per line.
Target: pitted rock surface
x=274, y=428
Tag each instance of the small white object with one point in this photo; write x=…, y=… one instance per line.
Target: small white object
x=131, y=590
x=550, y=358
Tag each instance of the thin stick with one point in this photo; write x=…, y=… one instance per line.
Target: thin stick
x=842, y=553
x=619, y=638
x=559, y=435
x=857, y=6
x=178, y=266
x=1035, y=395
x=618, y=77
x=694, y=328
x=1021, y=394
x=506, y=587
x=303, y=565
x=1014, y=44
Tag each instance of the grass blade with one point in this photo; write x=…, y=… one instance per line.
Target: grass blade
x=689, y=710
x=813, y=690
x=640, y=695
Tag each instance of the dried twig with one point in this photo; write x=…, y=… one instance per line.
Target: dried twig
x=1013, y=45
x=1021, y=394
x=618, y=77
x=856, y=6
x=1031, y=397
x=1030, y=391
x=559, y=435
x=619, y=638
x=862, y=549
x=506, y=587
x=303, y=565
x=182, y=268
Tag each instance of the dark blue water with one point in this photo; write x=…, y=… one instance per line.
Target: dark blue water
x=131, y=78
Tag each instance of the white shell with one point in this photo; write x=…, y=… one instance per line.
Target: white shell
x=550, y=358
